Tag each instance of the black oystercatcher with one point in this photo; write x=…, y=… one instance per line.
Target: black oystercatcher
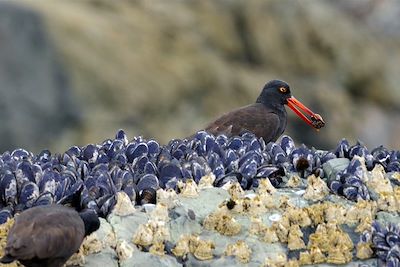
x=267, y=117
x=48, y=235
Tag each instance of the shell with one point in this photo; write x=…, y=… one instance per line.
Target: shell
x=146, y=196
x=188, y=189
x=158, y=248
x=29, y=193
x=121, y=135
x=160, y=213
x=240, y=250
x=207, y=181
x=222, y=222
x=136, y=150
x=90, y=153
x=287, y=144
x=6, y=214
x=144, y=235
x=124, y=205
x=364, y=250
x=167, y=197
x=124, y=250
x=204, y=250
x=295, y=240
x=265, y=187
x=316, y=189
x=8, y=188
x=278, y=259
x=45, y=198
x=182, y=246
x=378, y=181
x=342, y=149
x=235, y=191
x=148, y=181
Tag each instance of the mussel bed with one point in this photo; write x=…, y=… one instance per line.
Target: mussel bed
x=90, y=177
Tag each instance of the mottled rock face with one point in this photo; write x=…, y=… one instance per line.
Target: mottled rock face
x=176, y=70
x=35, y=96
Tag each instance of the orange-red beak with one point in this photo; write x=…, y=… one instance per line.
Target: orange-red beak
x=314, y=120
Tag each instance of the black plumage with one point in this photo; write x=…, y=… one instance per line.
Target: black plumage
x=48, y=236
x=267, y=117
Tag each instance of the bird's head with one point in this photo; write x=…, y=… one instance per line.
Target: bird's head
x=90, y=220
x=276, y=93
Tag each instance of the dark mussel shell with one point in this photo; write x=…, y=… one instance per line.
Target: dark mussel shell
x=249, y=169
x=8, y=188
x=216, y=164
x=287, y=144
x=117, y=147
x=136, y=150
x=153, y=148
x=342, y=149
x=45, y=198
x=48, y=181
x=25, y=172
x=148, y=181
x=21, y=154
x=5, y=214
x=28, y=194
x=121, y=135
x=278, y=156
x=147, y=196
x=72, y=194
x=44, y=156
x=228, y=178
x=106, y=204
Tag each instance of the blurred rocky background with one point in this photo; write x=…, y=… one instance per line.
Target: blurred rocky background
x=74, y=72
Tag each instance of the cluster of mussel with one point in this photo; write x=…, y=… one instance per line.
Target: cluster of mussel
x=386, y=241
x=90, y=176
x=350, y=182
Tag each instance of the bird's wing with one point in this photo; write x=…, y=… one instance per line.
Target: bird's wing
x=251, y=118
x=58, y=236
x=43, y=235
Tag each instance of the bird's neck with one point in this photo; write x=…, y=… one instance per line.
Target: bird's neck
x=272, y=105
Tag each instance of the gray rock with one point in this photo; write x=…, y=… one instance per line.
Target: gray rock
x=387, y=217
x=333, y=166
x=202, y=204
x=125, y=226
x=140, y=258
x=107, y=257
x=182, y=224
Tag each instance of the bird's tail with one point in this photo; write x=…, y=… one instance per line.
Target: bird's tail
x=7, y=259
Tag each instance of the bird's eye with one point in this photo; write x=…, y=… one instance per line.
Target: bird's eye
x=283, y=90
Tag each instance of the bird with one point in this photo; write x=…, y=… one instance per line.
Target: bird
x=48, y=236
x=267, y=117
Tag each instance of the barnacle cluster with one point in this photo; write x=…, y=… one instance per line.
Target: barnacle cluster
x=240, y=250
x=124, y=250
x=201, y=249
x=4, y=228
x=316, y=189
x=364, y=246
x=188, y=188
x=150, y=233
x=222, y=222
x=328, y=244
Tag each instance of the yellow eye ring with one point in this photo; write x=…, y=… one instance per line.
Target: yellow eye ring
x=282, y=89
